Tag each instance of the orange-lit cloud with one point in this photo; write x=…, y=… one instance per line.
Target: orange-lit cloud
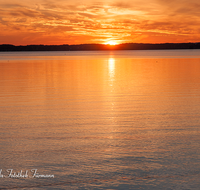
x=76, y=22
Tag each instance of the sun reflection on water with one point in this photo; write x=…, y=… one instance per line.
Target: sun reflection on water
x=111, y=69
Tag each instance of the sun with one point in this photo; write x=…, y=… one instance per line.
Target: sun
x=112, y=43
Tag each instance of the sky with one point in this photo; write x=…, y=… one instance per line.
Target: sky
x=56, y=22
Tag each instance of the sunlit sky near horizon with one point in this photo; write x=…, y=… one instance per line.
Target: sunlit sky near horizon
x=102, y=21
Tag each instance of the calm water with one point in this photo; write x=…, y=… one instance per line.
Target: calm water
x=100, y=120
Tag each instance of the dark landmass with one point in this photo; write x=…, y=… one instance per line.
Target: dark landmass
x=90, y=47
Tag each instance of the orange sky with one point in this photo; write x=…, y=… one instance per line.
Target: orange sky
x=76, y=22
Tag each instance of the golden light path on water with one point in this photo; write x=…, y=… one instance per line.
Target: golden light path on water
x=111, y=68
x=111, y=72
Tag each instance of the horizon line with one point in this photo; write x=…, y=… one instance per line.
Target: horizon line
x=100, y=44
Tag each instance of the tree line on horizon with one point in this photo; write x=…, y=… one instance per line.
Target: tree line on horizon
x=90, y=47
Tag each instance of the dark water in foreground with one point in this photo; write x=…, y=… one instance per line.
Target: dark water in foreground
x=100, y=120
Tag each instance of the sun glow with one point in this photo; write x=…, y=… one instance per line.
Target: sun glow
x=112, y=43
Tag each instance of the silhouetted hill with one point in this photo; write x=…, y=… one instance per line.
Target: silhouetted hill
x=90, y=47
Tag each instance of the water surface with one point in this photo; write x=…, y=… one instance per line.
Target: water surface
x=101, y=119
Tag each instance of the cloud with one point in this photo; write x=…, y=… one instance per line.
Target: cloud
x=98, y=21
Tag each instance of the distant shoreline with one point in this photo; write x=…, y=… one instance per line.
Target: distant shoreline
x=99, y=47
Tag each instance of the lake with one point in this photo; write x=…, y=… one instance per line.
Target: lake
x=100, y=120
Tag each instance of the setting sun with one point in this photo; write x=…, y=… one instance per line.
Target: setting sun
x=112, y=43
